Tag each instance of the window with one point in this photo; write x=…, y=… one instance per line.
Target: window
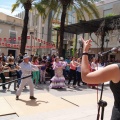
x=12, y=36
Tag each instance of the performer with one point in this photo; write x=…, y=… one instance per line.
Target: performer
x=26, y=68
x=58, y=81
x=110, y=72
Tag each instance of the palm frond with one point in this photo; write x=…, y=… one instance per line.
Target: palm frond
x=14, y=6
x=86, y=10
x=79, y=13
x=92, y=7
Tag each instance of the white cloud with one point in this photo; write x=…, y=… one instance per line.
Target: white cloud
x=8, y=11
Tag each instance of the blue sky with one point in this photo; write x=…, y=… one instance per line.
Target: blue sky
x=6, y=5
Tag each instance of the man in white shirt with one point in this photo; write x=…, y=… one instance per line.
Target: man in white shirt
x=26, y=68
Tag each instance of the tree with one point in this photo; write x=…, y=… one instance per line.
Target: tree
x=63, y=6
x=28, y=5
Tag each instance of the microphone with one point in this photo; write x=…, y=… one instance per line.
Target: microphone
x=109, y=51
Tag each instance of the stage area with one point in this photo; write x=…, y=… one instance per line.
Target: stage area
x=45, y=102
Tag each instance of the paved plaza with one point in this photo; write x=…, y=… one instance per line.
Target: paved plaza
x=55, y=104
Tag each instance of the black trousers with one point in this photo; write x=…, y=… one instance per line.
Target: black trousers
x=71, y=75
x=3, y=79
x=115, y=113
x=78, y=77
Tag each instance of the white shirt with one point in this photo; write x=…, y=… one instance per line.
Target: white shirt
x=93, y=65
x=27, y=68
x=10, y=57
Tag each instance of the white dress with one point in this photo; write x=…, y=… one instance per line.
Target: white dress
x=58, y=81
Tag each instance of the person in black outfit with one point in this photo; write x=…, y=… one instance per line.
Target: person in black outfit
x=110, y=72
x=1, y=72
x=12, y=71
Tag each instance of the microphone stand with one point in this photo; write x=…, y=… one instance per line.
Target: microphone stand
x=101, y=104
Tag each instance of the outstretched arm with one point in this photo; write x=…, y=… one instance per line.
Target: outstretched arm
x=110, y=72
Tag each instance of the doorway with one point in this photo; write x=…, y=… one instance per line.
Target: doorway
x=13, y=52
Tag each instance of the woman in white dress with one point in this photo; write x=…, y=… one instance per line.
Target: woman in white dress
x=58, y=80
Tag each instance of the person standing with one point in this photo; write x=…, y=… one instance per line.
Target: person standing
x=93, y=67
x=78, y=72
x=12, y=71
x=26, y=68
x=1, y=72
x=109, y=73
x=10, y=56
x=35, y=74
x=65, y=64
x=43, y=72
x=67, y=68
x=73, y=65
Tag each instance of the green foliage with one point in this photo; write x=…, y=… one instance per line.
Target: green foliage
x=110, y=15
x=78, y=6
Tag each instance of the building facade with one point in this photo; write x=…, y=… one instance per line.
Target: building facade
x=10, y=30
x=44, y=30
x=38, y=29
x=112, y=38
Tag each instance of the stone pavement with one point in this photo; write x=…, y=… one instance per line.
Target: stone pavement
x=81, y=101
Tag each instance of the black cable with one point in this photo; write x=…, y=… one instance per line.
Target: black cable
x=15, y=80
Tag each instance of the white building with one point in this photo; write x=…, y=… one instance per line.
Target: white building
x=39, y=29
x=10, y=30
x=44, y=30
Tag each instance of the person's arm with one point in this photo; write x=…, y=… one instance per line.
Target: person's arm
x=35, y=67
x=11, y=70
x=108, y=73
x=54, y=66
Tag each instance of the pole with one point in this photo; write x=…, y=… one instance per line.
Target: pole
x=31, y=43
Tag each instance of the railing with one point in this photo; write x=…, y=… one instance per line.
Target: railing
x=15, y=80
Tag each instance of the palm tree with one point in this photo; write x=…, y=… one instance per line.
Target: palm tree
x=63, y=6
x=27, y=4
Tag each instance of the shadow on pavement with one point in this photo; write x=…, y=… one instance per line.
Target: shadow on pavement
x=33, y=102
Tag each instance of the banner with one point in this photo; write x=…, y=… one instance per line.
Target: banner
x=43, y=43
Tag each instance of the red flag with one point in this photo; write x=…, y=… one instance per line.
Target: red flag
x=5, y=39
x=28, y=37
x=8, y=44
x=3, y=44
x=28, y=46
x=19, y=38
x=9, y=39
x=38, y=40
x=17, y=46
x=44, y=42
